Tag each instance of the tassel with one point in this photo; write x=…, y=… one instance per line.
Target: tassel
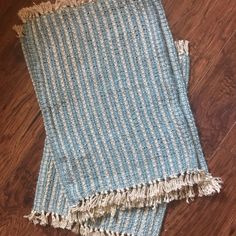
x=149, y=195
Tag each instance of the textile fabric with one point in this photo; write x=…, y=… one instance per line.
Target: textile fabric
x=121, y=140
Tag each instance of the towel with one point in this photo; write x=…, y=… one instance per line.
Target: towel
x=121, y=139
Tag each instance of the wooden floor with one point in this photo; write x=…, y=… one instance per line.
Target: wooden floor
x=209, y=26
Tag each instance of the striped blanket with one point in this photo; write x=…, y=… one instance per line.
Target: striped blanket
x=121, y=140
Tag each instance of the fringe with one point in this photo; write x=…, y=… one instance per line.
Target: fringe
x=182, y=46
x=187, y=185
x=63, y=222
x=49, y=218
x=29, y=13
x=89, y=231
x=19, y=30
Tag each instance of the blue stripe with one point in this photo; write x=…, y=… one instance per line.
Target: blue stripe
x=114, y=102
x=117, y=83
x=49, y=120
x=177, y=77
x=155, y=58
x=103, y=101
x=40, y=86
x=166, y=76
x=85, y=58
x=134, y=88
x=76, y=90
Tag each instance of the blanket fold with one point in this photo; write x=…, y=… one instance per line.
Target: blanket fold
x=121, y=139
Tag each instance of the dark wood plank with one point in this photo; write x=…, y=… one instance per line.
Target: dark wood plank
x=207, y=24
x=214, y=99
x=209, y=216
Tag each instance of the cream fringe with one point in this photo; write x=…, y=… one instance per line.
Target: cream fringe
x=147, y=195
x=182, y=47
x=29, y=13
x=19, y=30
x=64, y=222
x=187, y=185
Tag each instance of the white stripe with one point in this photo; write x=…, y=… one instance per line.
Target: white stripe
x=139, y=219
x=48, y=181
x=42, y=174
x=127, y=220
x=53, y=191
x=145, y=214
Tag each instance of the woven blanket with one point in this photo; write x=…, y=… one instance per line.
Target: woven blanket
x=121, y=140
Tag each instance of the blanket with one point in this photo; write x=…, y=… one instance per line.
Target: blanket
x=121, y=139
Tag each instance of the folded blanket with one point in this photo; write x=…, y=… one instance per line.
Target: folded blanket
x=121, y=140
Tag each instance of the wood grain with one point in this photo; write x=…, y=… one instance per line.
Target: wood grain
x=209, y=25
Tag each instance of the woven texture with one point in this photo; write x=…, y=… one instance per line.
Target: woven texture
x=121, y=140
